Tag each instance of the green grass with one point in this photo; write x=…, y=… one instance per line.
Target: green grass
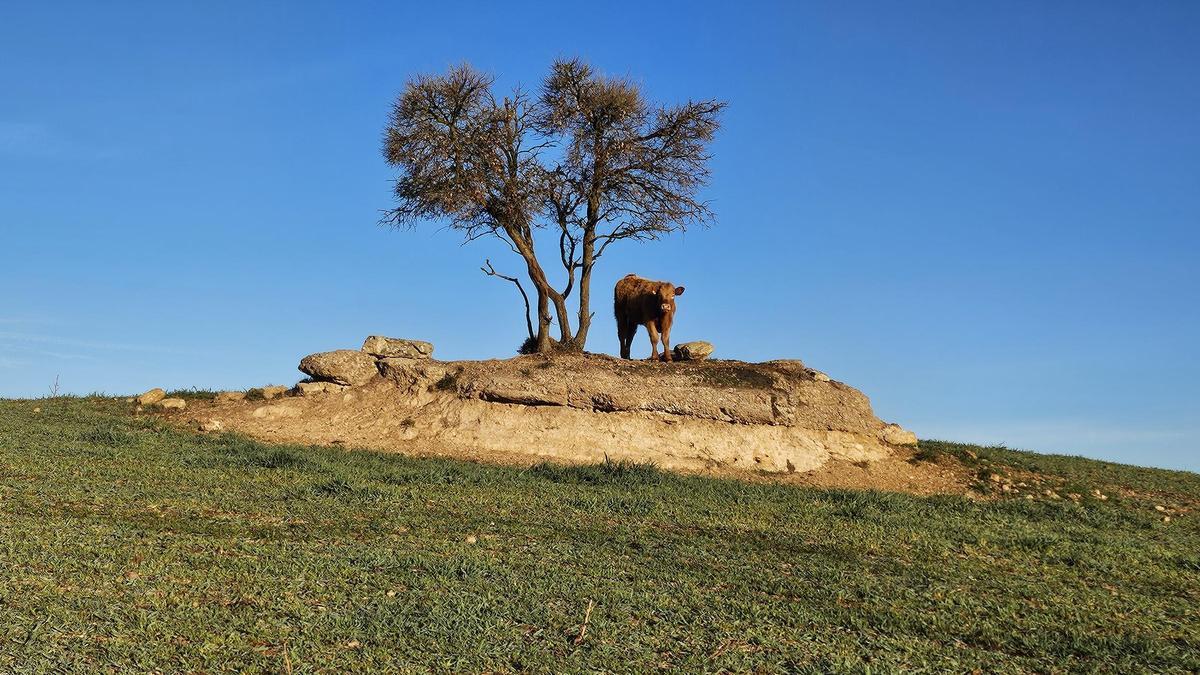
x=127, y=545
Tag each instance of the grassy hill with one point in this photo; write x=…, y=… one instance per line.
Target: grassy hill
x=126, y=544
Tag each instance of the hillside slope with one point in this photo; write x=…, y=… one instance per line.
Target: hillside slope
x=129, y=544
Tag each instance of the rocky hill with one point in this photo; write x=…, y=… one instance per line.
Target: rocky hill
x=778, y=416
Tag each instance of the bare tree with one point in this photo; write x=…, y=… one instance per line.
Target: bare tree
x=624, y=170
x=629, y=171
x=470, y=158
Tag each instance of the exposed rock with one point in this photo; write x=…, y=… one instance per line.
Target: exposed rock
x=310, y=388
x=343, y=366
x=151, y=397
x=819, y=376
x=384, y=347
x=582, y=408
x=172, y=404
x=273, y=391
x=412, y=373
x=894, y=434
x=275, y=411
x=696, y=350
x=314, y=388
x=212, y=426
x=229, y=396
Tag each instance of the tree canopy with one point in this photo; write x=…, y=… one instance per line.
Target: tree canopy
x=587, y=160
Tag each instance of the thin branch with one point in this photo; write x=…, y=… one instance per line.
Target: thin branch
x=491, y=272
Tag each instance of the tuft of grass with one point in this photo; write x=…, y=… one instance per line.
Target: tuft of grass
x=128, y=544
x=108, y=435
x=448, y=382
x=608, y=472
x=193, y=394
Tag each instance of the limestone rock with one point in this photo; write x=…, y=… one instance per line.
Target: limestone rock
x=315, y=388
x=310, y=388
x=894, y=434
x=275, y=411
x=151, y=397
x=343, y=366
x=172, y=404
x=229, y=396
x=212, y=426
x=697, y=350
x=413, y=374
x=383, y=347
x=273, y=391
x=819, y=376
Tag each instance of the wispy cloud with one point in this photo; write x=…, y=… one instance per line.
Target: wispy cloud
x=6, y=362
x=26, y=139
x=87, y=344
x=1066, y=433
x=26, y=349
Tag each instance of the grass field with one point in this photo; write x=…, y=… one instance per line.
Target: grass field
x=127, y=545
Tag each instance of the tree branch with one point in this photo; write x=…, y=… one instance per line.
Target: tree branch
x=491, y=272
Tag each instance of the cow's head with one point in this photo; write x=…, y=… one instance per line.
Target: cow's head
x=666, y=295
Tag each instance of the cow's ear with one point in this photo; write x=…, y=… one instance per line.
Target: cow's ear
x=679, y=290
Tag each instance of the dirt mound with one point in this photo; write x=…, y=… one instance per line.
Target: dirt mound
x=778, y=417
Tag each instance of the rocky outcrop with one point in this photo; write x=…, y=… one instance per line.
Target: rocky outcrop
x=315, y=388
x=894, y=434
x=343, y=366
x=229, y=396
x=776, y=416
x=151, y=397
x=386, y=347
x=694, y=414
x=273, y=391
x=696, y=350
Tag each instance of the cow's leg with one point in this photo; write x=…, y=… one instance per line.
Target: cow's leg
x=665, y=330
x=652, y=329
x=626, y=329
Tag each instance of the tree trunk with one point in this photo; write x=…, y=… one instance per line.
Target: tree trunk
x=585, y=290
x=546, y=295
x=543, y=331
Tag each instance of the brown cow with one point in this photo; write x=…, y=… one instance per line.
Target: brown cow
x=638, y=301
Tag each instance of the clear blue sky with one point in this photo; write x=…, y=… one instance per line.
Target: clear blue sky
x=983, y=215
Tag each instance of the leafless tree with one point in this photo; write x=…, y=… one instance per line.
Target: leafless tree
x=622, y=170
x=629, y=171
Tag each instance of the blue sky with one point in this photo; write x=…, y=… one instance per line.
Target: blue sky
x=984, y=215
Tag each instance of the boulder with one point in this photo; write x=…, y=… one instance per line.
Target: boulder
x=894, y=434
x=212, y=426
x=151, y=397
x=413, y=374
x=384, y=347
x=172, y=404
x=819, y=376
x=229, y=396
x=697, y=350
x=343, y=366
x=273, y=391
